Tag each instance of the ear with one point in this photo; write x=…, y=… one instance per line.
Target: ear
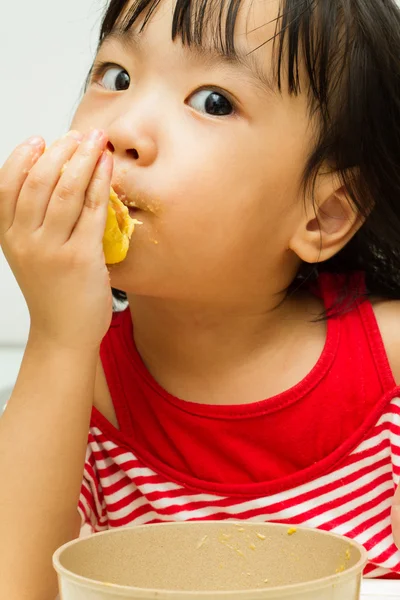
x=327, y=225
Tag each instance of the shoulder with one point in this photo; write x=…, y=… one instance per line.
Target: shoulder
x=387, y=313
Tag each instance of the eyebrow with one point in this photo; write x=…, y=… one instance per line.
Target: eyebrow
x=208, y=56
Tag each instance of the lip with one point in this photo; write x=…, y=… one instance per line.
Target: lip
x=134, y=204
x=136, y=200
x=121, y=194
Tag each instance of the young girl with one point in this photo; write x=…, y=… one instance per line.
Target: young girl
x=254, y=371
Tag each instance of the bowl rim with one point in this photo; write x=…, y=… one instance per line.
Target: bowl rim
x=248, y=594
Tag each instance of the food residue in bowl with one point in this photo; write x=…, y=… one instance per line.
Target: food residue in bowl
x=224, y=539
x=202, y=542
x=343, y=567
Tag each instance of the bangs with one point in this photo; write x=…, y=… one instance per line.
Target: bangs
x=192, y=22
x=297, y=38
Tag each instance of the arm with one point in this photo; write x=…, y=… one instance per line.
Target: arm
x=51, y=230
x=43, y=438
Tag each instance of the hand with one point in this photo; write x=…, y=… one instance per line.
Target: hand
x=51, y=230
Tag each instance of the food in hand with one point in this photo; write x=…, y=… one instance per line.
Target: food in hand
x=118, y=231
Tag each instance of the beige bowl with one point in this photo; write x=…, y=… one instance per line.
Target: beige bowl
x=211, y=560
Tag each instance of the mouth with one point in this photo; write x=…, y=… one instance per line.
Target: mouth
x=132, y=208
x=131, y=205
x=133, y=211
x=136, y=202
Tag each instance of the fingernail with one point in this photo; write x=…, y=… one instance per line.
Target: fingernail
x=76, y=135
x=34, y=141
x=96, y=135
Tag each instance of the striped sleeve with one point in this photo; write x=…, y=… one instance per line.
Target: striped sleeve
x=91, y=505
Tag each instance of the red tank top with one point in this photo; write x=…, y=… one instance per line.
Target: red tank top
x=325, y=453
x=264, y=447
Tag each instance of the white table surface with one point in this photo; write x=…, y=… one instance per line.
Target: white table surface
x=374, y=589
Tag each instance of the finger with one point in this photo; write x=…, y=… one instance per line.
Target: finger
x=89, y=230
x=68, y=197
x=41, y=181
x=13, y=174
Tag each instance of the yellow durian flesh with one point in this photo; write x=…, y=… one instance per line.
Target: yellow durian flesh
x=118, y=231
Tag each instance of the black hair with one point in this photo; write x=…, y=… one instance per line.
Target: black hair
x=349, y=51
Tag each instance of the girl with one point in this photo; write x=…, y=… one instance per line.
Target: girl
x=253, y=371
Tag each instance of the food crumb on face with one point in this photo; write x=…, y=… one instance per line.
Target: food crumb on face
x=292, y=530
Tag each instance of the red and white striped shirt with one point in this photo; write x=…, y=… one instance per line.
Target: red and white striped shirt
x=325, y=453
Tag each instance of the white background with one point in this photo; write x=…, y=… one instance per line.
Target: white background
x=46, y=50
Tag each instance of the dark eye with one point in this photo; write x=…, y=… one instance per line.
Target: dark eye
x=115, y=79
x=211, y=103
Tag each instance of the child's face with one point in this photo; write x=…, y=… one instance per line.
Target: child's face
x=215, y=156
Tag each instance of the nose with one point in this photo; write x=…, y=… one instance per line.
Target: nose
x=141, y=149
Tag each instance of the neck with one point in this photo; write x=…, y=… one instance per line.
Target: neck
x=183, y=344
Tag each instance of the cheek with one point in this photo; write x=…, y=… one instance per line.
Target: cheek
x=89, y=114
x=238, y=160
x=231, y=203
x=232, y=184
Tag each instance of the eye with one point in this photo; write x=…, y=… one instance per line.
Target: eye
x=111, y=77
x=211, y=102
